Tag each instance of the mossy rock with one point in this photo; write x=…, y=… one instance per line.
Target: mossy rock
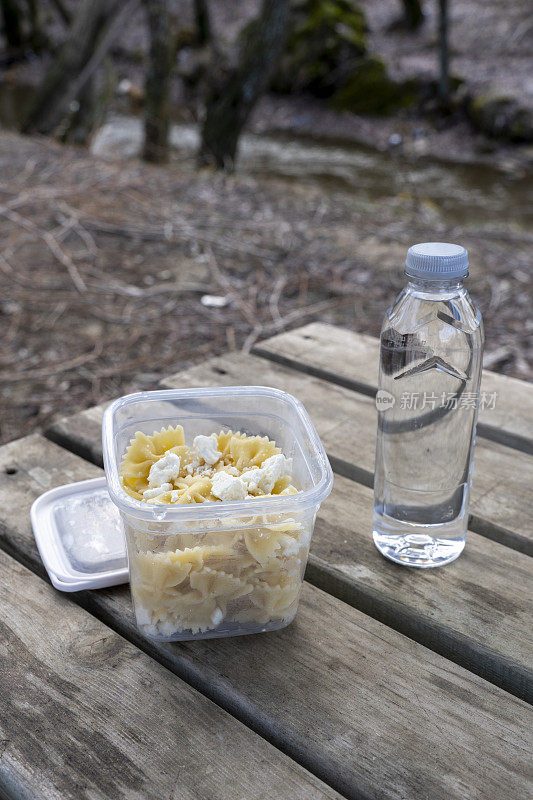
x=369, y=90
x=326, y=55
x=501, y=117
x=326, y=39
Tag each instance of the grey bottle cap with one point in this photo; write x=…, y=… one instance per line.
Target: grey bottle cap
x=436, y=260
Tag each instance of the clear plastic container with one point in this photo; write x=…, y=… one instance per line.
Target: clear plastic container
x=207, y=570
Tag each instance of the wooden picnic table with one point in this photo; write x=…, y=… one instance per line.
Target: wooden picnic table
x=391, y=683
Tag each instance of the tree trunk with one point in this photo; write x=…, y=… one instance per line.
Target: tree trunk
x=93, y=101
x=82, y=121
x=413, y=13
x=12, y=19
x=444, y=53
x=37, y=38
x=158, y=75
x=62, y=10
x=203, y=25
x=230, y=101
x=94, y=29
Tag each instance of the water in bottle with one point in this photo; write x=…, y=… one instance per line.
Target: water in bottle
x=429, y=376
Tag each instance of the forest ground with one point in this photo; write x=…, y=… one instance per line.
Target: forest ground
x=105, y=266
x=105, y=262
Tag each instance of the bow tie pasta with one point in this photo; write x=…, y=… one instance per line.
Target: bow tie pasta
x=203, y=577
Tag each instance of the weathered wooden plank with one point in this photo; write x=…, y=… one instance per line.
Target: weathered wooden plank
x=351, y=359
x=371, y=712
x=468, y=612
x=492, y=647
x=85, y=714
x=501, y=505
x=81, y=433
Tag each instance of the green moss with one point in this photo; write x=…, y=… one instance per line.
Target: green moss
x=326, y=55
x=326, y=38
x=369, y=90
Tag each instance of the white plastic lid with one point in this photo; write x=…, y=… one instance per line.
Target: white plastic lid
x=436, y=260
x=79, y=535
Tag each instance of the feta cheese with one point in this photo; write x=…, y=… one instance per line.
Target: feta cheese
x=165, y=470
x=143, y=616
x=251, y=479
x=165, y=628
x=149, y=493
x=289, y=544
x=206, y=471
x=216, y=617
x=226, y=487
x=273, y=469
x=232, y=470
x=263, y=479
x=206, y=448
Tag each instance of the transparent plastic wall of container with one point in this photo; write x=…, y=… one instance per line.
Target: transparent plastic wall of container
x=227, y=568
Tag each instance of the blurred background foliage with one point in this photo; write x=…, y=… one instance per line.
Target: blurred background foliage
x=315, y=47
x=296, y=148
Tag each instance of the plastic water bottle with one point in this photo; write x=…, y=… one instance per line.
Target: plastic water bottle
x=429, y=375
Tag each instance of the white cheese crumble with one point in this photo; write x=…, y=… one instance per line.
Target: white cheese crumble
x=232, y=470
x=289, y=544
x=206, y=448
x=251, y=479
x=263, y=479
x=206, y=471
x=157, y=490
x=165, y=470
x=143, y=617
x=273, y=469
x=216, y=617
x=226, y=487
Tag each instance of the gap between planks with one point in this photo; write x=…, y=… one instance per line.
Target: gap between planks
x=484, y=527
x=350, y=359
x=490, y=432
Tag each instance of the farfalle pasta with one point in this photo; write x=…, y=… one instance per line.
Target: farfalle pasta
x=221, y=575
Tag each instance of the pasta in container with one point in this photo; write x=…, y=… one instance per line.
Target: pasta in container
x=218, y=491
